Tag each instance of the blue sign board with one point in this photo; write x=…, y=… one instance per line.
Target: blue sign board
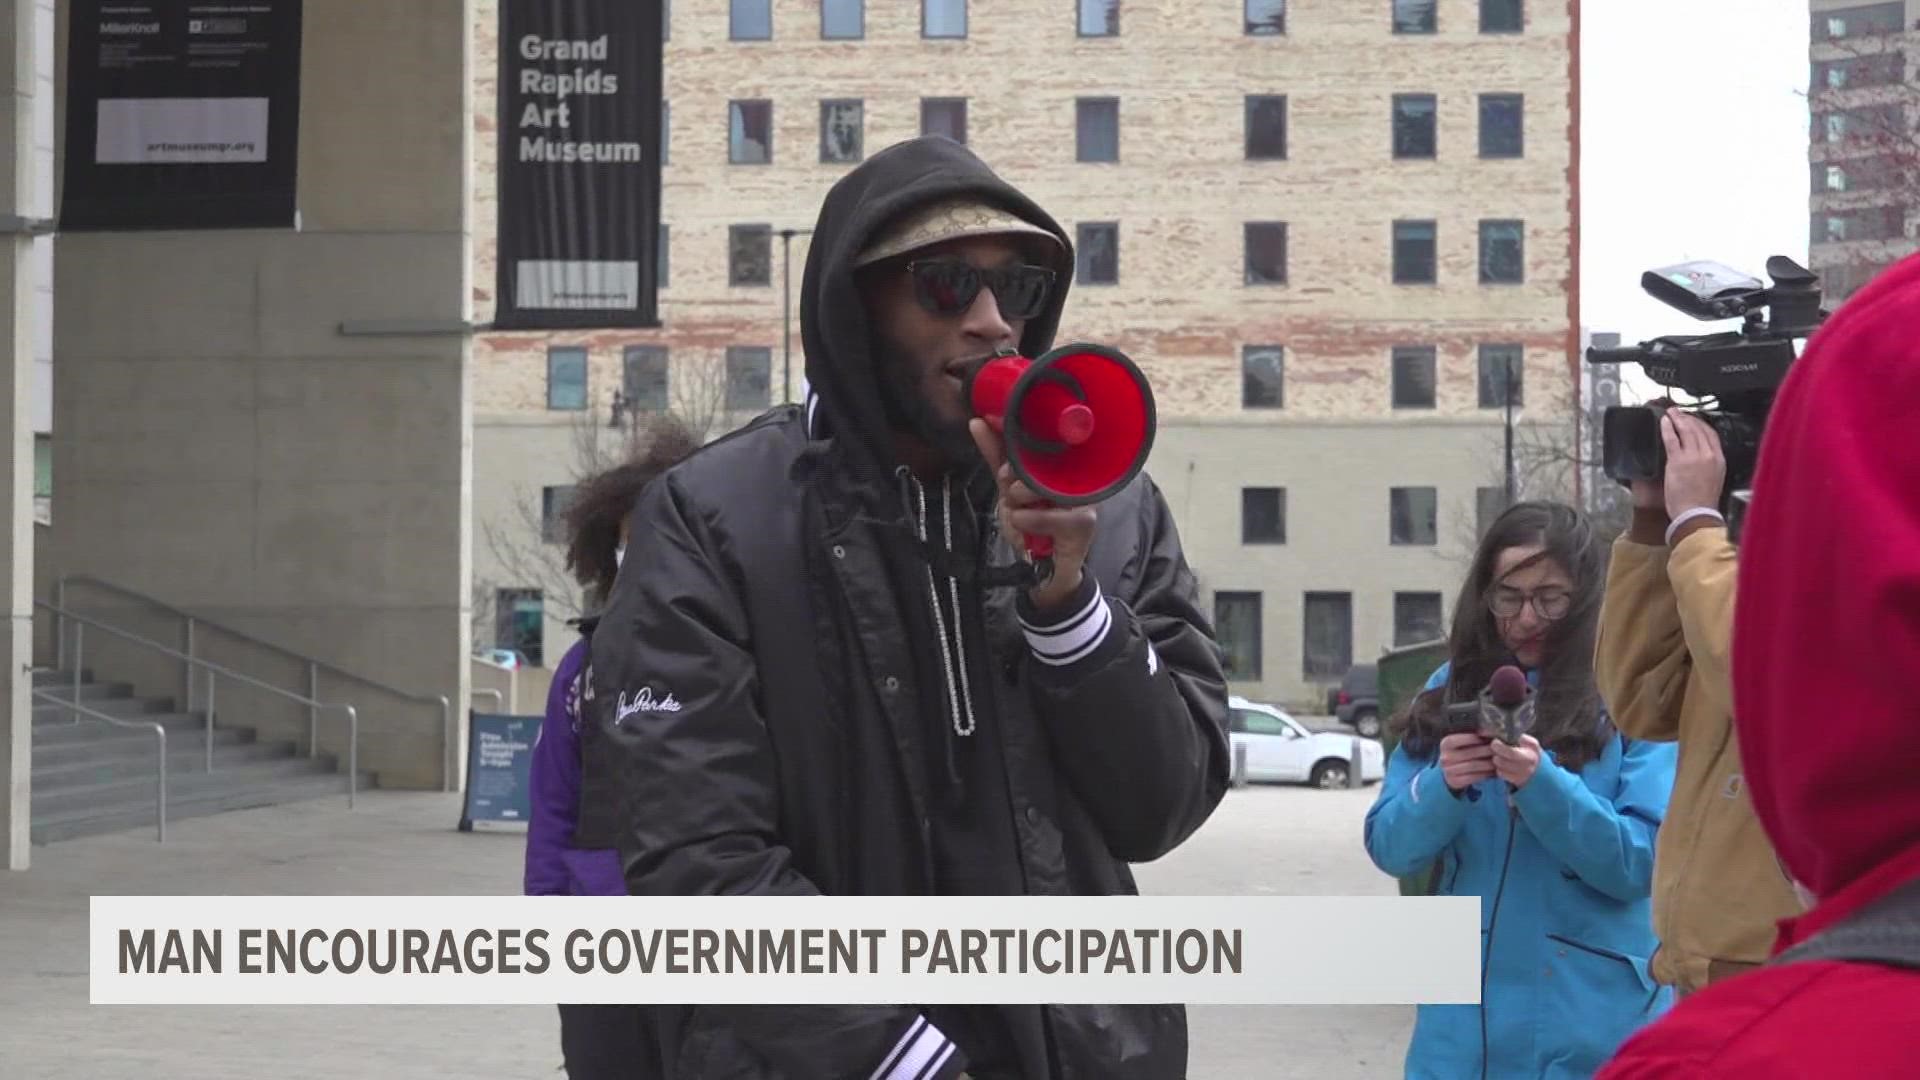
x=499, y=769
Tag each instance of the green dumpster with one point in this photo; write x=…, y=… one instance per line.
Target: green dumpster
x=1403, y=672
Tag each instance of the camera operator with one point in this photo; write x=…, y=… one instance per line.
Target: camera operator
x=1663, y=666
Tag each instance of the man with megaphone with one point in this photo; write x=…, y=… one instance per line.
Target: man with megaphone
x=931, y=634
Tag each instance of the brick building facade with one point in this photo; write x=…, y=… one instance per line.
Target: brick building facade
x=1322, y=229
x=1865, y=153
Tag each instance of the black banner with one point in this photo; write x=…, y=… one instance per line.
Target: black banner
x=579, y=164
x=182, y=114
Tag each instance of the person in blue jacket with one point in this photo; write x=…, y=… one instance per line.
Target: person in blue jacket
x=1554, y=835
x=598, y=1042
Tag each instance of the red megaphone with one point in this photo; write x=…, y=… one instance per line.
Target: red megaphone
x=1078, y=422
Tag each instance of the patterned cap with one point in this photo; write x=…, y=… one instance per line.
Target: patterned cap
x=939, y=222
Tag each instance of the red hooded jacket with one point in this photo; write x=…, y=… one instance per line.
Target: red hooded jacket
x=1826, y=644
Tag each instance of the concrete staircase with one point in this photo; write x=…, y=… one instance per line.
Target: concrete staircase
x=92, y=777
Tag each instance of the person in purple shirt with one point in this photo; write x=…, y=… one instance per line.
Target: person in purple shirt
x=597, y=1041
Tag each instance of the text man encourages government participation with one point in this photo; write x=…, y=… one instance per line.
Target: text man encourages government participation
x=683, y=951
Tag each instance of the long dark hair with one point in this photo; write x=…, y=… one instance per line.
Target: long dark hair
x=1570, y=720
x=602, y=501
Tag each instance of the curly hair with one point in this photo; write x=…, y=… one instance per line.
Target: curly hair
x=601, y=502
x=1571, y=720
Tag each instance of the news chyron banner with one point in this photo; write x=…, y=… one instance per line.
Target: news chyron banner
x=182, y=115
x=739, y=950
x=579, y=164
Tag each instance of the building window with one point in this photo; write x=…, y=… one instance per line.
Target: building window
x=943, y=18
x=1266, y=253
x=1844, y=280
x=1263, y=515
x=750, y=20
x=1415, y=126
x=944, y=116
x=662, y=262
x=643, y=378
x=1096, y=126
x=520, y=623
x=1502, y=253
x=1415, y=17
x=666, y=20
x=42, y=465
x=842, y=20
x=1858, y=72
x=1488, y=504
x=1503, y=375
x=1099, y=253
x=1884, y=123
x=750, y=255
x=1262, y=382
x=841, y=123
x=1416, y=618
x=1857, y=174
x=1413, y=376
x=553, y=513
x=1860, y=21
x=1266, y=127
x=1236, y=626
x=1502, y=16
x=1327, y=635
x=1502, y=125
x=1413, y=516
x=750, y=132
x=749, y=377
x=566, y=378
x=1414, y=253
x=1865, y=223
x=1266, y=17
x=1099, y=18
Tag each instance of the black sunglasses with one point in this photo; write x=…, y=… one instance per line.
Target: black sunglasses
x=948, y=287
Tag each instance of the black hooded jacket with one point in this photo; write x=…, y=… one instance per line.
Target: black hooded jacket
x=770, y=714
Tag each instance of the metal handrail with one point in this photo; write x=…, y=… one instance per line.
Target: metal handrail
x=160, y=734
x=448, y=732
x=80, y=622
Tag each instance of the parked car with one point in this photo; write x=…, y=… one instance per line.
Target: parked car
x=1357, y=702
x=1280, y=748
x=510, y=659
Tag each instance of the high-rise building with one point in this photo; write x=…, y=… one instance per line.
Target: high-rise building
x=1603, y=499
x=1336, y=238
x=1865, y=157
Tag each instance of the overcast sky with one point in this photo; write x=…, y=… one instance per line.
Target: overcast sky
x=1694, y=146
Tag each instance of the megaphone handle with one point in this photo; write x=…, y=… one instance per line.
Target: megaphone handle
x=1040, y=547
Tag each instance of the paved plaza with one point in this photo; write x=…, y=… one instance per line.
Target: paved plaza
x=1267, y=840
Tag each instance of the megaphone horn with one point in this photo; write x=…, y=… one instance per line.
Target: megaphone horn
x=1078, y=422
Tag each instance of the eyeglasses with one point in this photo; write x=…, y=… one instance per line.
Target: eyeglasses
x=1550, y=604
x=948, y=287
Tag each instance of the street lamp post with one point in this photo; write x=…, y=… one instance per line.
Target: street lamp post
x=786, y=309
x=1506, y=389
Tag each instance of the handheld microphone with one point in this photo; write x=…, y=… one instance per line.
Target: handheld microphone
x=1507, y=704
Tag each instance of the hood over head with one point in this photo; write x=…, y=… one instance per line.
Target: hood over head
x=866, y=212
x=1827, y=621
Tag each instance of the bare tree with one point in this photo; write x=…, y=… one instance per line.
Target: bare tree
x=699, y=395
x=1547, y=459
x=528, y=545
x=480, y=621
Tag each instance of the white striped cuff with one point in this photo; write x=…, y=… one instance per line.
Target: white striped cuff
x=920, y=1054
x=1076, y=638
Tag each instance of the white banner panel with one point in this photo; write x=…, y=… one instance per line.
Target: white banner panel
x=163, y=131
x=503, y=950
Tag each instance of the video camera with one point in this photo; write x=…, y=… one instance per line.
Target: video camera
x=1735, y=373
